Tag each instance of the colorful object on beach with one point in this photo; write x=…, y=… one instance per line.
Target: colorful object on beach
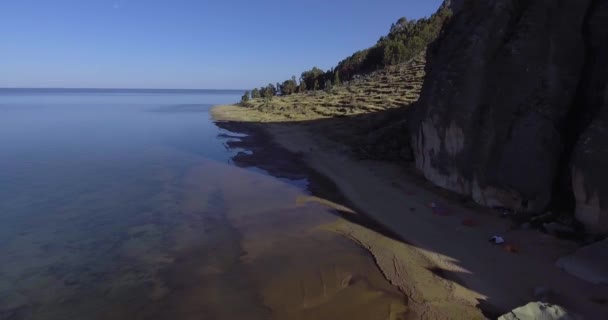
x=497, y=240
x=511, y=248
x=468, y=222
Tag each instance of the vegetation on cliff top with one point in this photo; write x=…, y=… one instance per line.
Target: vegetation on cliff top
x=387, y=88
x=405, y=41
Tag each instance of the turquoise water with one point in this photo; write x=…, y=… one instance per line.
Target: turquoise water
x=125, y=204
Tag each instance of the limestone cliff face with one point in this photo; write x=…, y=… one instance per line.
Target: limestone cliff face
x=514, y=90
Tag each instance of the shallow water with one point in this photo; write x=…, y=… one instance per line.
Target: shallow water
x=126, y=205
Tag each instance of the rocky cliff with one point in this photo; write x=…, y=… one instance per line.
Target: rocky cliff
x=514, y=106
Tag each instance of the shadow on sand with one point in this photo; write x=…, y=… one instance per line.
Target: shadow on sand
x=360, y=134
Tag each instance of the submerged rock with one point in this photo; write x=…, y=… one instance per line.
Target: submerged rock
x=539, y=311
x=516, y=100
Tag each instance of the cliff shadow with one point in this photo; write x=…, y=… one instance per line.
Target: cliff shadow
x=485, y=269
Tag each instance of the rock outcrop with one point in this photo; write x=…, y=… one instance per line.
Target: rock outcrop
x=539, y=311
x=590, y=158
x=515, y=102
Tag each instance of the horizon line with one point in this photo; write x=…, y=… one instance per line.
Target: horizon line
x=107, y=88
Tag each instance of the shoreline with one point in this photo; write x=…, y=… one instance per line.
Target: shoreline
x=442, y=262
x=385, y=247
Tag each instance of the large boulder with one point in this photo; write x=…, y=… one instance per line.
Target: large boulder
x=494, y=117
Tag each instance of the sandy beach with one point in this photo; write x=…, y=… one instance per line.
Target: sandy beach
x=441, y=258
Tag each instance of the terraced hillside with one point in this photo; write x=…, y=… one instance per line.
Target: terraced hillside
x=367, y=114
x=393, y=87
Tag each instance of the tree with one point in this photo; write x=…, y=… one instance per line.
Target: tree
x=328, y=85
x=289, y=86
x=245, y=98
x=302, y=88
x=405, y=39
x=401, y=24
x=269, y=91
x=263, y=91
x=394, y=53
x=255, y=94
x=414, y=35
x=311, y=76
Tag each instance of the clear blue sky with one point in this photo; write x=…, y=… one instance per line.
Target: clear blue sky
x=185, y=44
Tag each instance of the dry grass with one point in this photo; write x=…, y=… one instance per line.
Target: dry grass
x=367, y=115
x=389, y=88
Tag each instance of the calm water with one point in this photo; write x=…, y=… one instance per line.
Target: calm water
x=126, y=205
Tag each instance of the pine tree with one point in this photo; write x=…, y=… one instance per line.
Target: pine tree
x=245, y=98
x=255, y=94
x=269, y=91
x=328, y=86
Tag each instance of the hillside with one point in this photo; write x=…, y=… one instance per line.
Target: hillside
x=367, y=115
x=384, y=62
x=392, y=87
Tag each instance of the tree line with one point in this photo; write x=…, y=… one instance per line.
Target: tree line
x=405, y=40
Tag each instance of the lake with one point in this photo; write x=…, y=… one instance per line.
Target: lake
x=127, y=204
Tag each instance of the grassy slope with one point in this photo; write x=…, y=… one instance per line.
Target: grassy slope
x=389, y=88
x=367, y=115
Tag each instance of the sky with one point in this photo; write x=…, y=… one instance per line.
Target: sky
x=210, y=44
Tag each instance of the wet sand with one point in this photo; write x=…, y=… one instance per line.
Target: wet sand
x=429, y=296
x=282, y=265
x=446, y=267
